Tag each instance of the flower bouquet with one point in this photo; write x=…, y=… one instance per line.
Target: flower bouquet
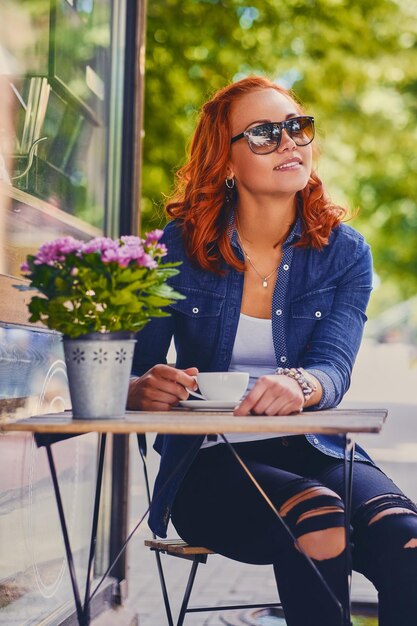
x=103, y=285
x=97, y=294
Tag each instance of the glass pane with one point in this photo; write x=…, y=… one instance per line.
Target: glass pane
x=34, y=572
x=54, y=120
x=34, y=580
x=60, y=127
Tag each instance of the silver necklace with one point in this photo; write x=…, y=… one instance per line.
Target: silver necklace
x=264, y=279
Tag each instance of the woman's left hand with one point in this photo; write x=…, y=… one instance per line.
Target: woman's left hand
x=272, y=395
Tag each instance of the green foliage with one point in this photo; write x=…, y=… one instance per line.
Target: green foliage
x=364, y=621
x=353, y=65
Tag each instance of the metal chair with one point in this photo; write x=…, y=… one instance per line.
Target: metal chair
x=180, y=549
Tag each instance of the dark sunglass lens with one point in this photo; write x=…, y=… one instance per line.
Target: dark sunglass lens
x=301, y=130
x=263, y=138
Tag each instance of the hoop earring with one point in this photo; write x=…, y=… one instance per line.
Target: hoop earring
x=230, y=183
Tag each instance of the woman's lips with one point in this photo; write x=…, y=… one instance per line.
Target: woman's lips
x=288, y=165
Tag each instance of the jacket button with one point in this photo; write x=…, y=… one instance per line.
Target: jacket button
x=195, y=309
x=317, y=313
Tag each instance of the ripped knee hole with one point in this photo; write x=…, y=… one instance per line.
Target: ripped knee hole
x=307, y=494
x=391, y=511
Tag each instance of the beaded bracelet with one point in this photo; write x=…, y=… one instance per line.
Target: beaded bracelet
x=308, y=387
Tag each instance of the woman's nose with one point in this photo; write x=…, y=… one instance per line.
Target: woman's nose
x=286, y=143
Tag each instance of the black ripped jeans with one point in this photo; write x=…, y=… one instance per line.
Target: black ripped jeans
x=219, y=507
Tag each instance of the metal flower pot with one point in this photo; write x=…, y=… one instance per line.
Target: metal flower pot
x=98, y=368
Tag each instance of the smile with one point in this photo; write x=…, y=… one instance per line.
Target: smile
x=288, y=165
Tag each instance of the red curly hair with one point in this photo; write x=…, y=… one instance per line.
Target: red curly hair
x=202, y=202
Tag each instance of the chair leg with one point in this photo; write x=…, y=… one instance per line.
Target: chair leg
x=141, y=439
x=164, y=588
x=187, y=593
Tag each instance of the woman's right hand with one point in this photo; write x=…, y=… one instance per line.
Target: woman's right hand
x=160, y=388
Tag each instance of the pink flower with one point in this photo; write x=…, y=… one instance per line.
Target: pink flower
x=131, y=240
x=127, y=250
x=114, y=256
x=99, y=244
x=124, y=255
x=79, y=281
x=160, y=250
x=153, y=237
x=147, y=261
x=54, y=252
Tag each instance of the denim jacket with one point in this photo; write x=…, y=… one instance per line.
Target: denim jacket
x=318, y=315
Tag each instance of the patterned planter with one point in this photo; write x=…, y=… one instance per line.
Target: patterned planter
x=98, y=368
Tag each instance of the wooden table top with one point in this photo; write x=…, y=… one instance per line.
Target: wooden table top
x=187, y=422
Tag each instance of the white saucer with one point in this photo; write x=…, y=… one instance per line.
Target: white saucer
x=209, y=405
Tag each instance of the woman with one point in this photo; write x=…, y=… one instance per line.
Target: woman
x=275, y=285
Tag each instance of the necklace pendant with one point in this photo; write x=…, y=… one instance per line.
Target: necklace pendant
x=264, y=283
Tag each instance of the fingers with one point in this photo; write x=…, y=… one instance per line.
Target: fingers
x=269, y=404
x=249, y=402
x=278, y=408
x=163, y=386
x=174, y=375
x=192, y=371
x=272, y=395
x=186, y=377
x=160, y=388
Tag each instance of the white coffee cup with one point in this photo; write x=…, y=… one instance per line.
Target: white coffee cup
x=221, y=386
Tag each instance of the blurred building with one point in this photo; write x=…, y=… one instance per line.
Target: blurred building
x=70, y=120
x=396, y=324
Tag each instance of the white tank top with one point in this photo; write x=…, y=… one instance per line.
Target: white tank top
x=253, y=352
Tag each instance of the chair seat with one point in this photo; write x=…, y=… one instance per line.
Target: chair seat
x=176, y=546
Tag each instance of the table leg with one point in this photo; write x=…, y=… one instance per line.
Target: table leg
x=83, y=611
x=93, y=540
x=344, y=611
x=348, y=480
x=75, y=589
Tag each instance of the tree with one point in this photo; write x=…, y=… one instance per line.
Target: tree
x=351, y=62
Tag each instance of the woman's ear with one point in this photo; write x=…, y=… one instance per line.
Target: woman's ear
x=229, y=171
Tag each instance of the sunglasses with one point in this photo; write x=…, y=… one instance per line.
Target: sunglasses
x=265, y=138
